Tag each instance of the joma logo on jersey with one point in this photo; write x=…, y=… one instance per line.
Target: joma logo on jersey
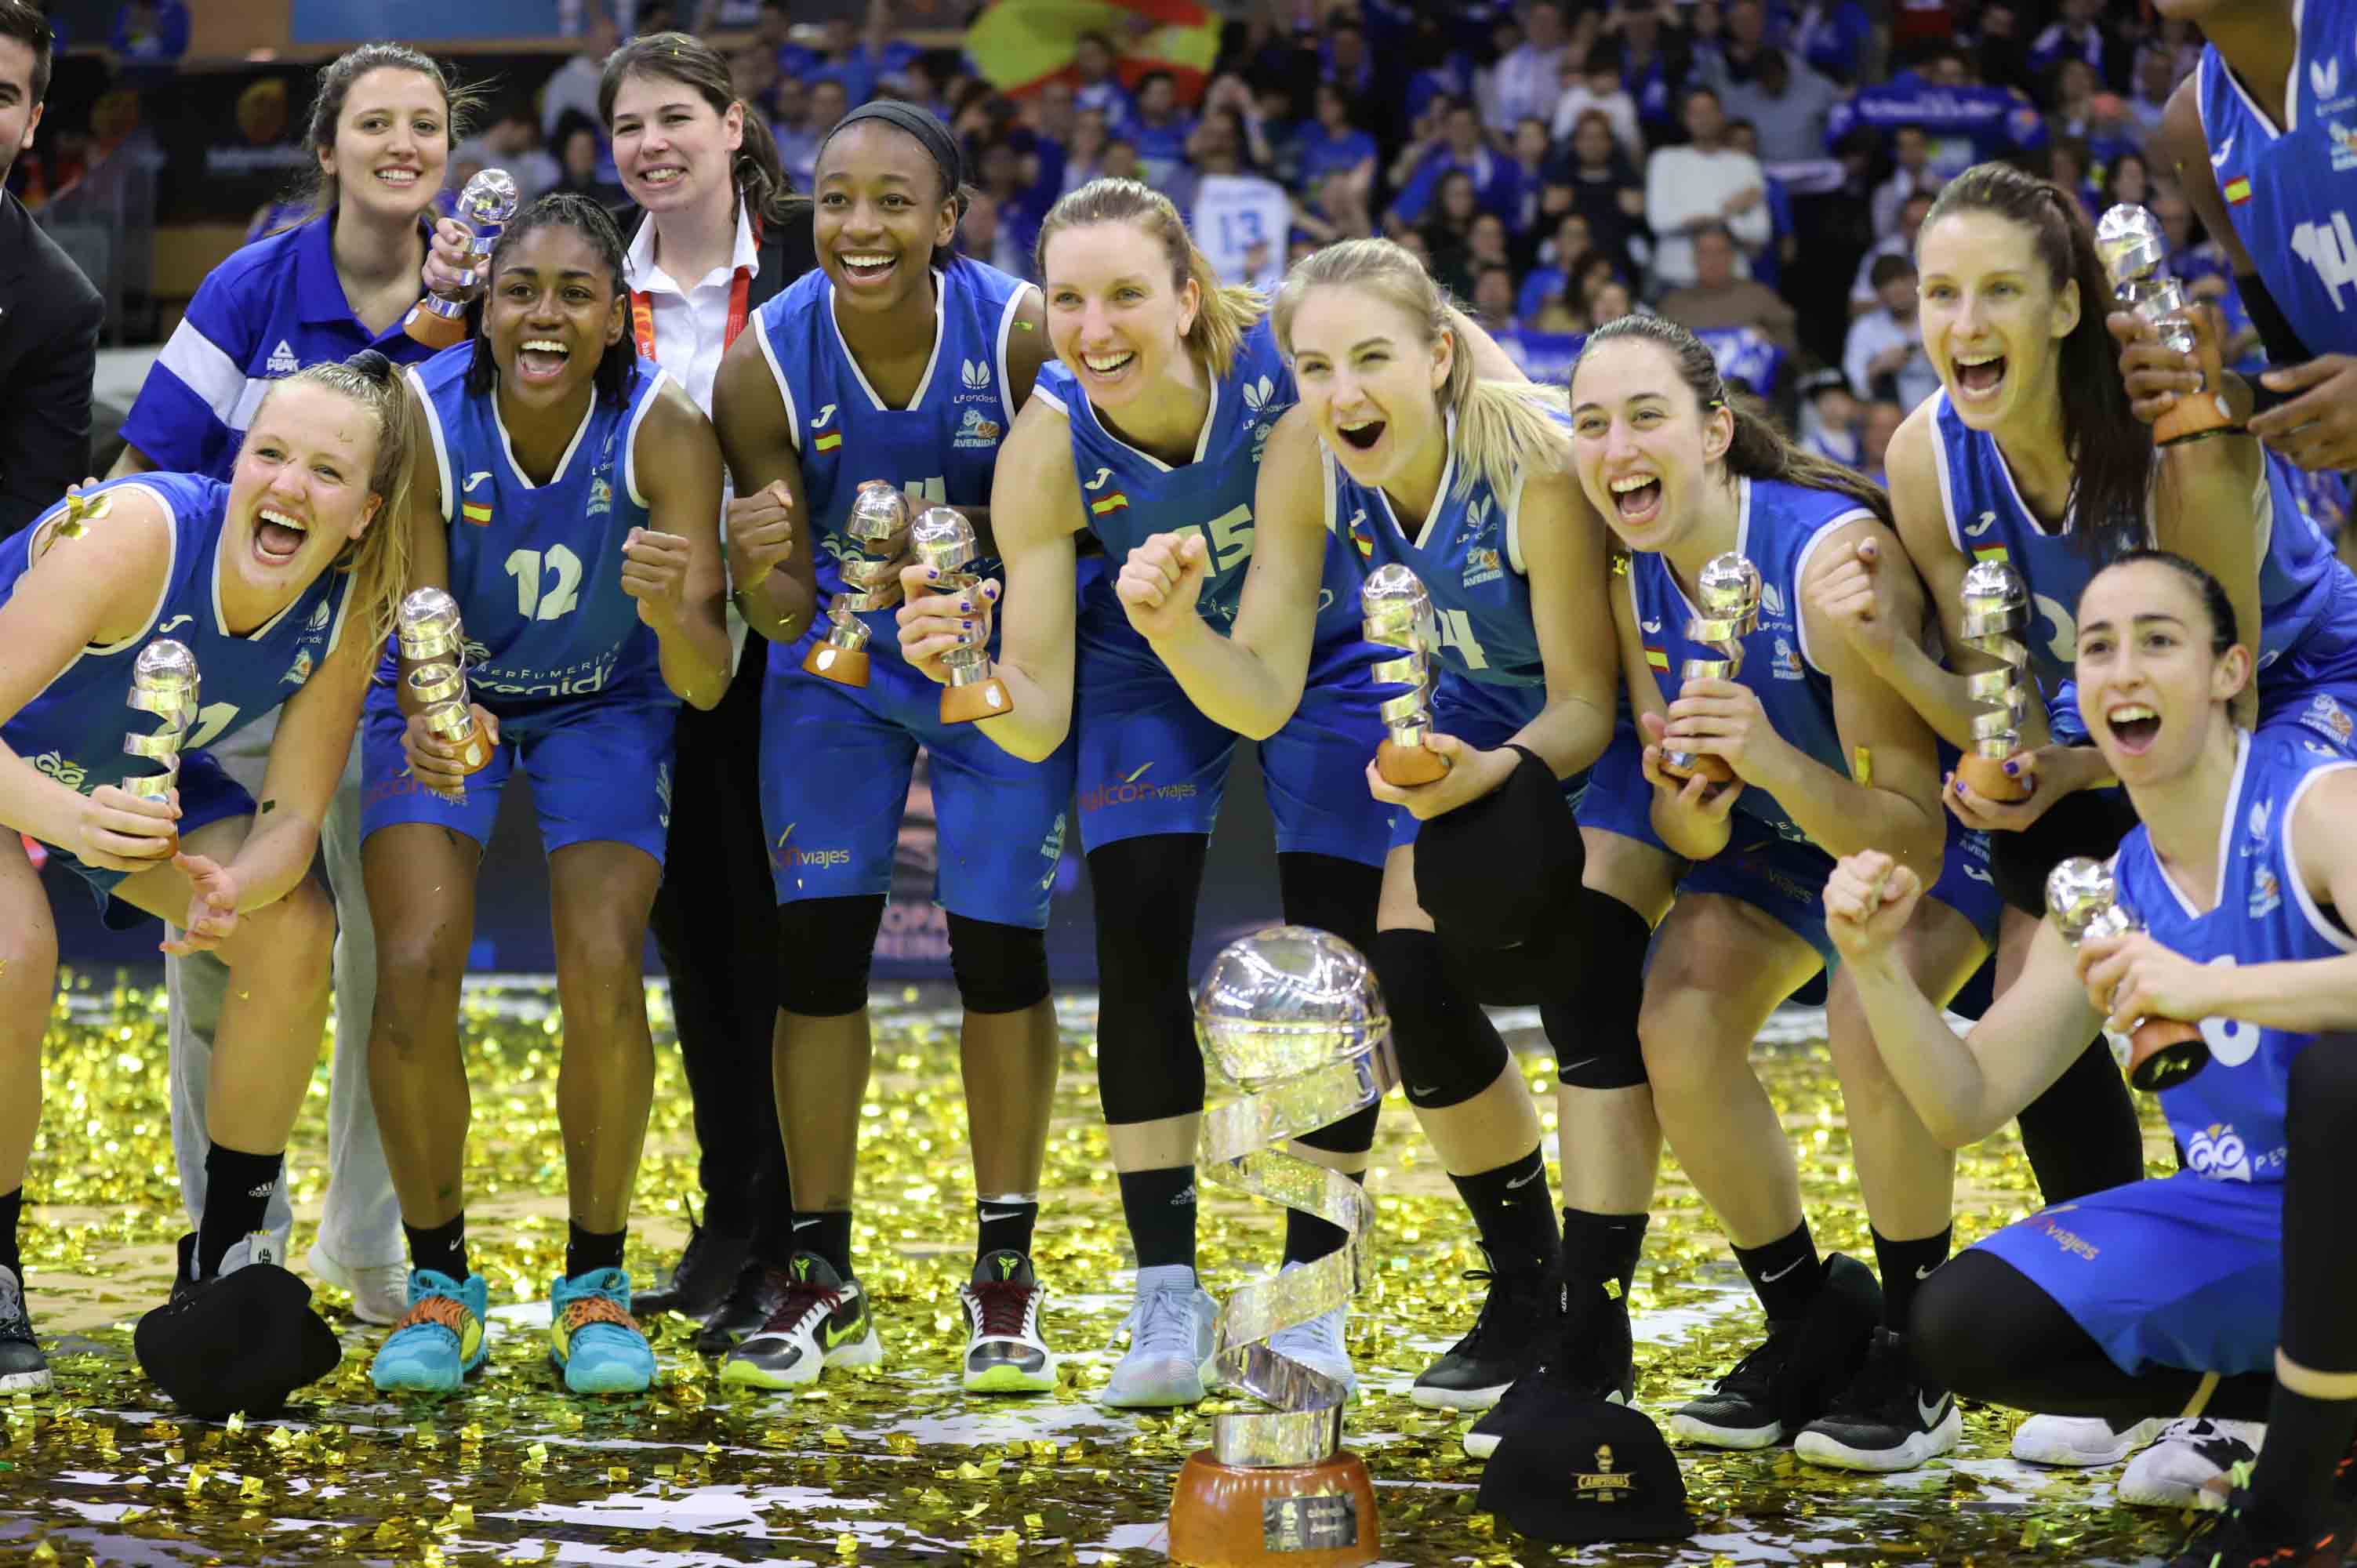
x=975, y=431
x=831, y=438
x=1482, y=566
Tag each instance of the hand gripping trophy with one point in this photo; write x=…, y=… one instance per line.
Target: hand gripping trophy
x=483, y=209
x=2129, y=239
x=1996, y=606
x=163, y=683
x=1398, y=614
x=878, y=524
x=1292, y=1018
x=427, y=628
x=1726, y=593
x=943, y=540
x=2159, y=1052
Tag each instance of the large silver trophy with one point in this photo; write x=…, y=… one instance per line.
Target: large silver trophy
x=2129, y=239
x=878, y=524
x=426, y=630
x=1726, y=599
x=1996, y=607
x=1292, y=1018
x=2083, y=898
x=942, y=538
x=1397, y=613
x=483, y=209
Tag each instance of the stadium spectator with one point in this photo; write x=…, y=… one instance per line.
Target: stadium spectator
x=1613, y=302
x=510, y=143
x=1597, y=88
x=1528, y=79
x=1335, y=144
x=1423, y=165
x=1157, y=128
x=859, y=60
x=1655, y=56
x=1539, y=191
x=1704, y=182
x=2084, y=111
x=1911, y=150
x=574, y=88
x=1016, y=206
x=1608, y=191
x=1829, y=417
x=2068, y=165
x=153, y=33
x=1901, y=242
x=1238, y=217
x=1344, y=60
x=1880, y=423
x=1884, y=355
x=1448, y=228
x=1718, y=299
x=1254, y=150
x=2127, y=179
x=2001, y=55
x=581, y=161
x=1095, y=85
x=2077, y=34
x=1832, y=35
x=1784, y=239
x=753, y=73
x=1084, y=151
x=2155, y=77
x=1494, y=297
x=1786, y=102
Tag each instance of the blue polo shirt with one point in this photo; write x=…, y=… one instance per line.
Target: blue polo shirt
x=272, y=308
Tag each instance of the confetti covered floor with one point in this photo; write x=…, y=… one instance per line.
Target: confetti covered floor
x=896, y=1465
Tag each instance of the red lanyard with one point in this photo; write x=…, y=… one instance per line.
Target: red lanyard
x=642, y=308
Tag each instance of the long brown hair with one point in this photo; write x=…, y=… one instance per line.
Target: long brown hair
x=378, y=560
x=320, y=190
x=1760, y=450
x=2110, y=449
x=760, y=175
x=1228, y=311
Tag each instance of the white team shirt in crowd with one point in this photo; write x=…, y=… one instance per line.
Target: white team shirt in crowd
x=1241, y=222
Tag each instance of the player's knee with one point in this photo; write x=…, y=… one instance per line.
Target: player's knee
x=1447, y=1052
x=1353, y=1135
x=1593, y=1024
x=1331, y=894
x=999, y=969
x=824, y=945
x=1142, y=1079
x=294, y=936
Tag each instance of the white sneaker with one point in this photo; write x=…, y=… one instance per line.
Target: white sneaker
x=2193, y=1453
x=254, y=1247
x=1169, y=1360
x=1318, y=1345
x=379, y=1292
x=2081, y=1442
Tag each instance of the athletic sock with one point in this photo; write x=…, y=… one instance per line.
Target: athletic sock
x=1600, y=1248
x=11, y=1206
x=1159, y=1207
x=2292, y=1482
x=1514, y=1213
x=441, y=1247
x=237, y=1200
x=1904, y=1266
x=1003, y=1224
x=585, y=1252
x=827, y=1232
x=1308, y=1238
x=1784, y=1274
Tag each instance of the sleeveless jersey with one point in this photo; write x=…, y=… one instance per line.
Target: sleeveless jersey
x=1131, y=496
x=1468, y=555
x=537, y=569
x=2286, y=190
x=943, y=447
x=1778, y=528
x=73, y=730
x=2229, y=1117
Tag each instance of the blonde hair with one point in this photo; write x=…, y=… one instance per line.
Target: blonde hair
x=1228, y=311
x=378, y=560
x=1504, y=429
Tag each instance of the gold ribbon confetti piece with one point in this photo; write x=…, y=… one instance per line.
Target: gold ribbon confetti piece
x=81, y=510
x=1861, y=767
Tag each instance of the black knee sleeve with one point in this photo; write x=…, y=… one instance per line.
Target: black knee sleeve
x=999, y=969
x=2320, y=1207
x=824, y=948
x=1593, y=1025
x=2082, y=1134
x=1148, y=1066
x=1331, y=894
x=1449, y=1050
x=2086, y=822
x=1353, y=1135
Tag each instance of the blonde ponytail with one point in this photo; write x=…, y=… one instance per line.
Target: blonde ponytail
x=1226, y=311
x=379, y=561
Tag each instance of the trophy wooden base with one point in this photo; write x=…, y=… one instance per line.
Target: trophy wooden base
x=1988, y=779
x=1301, y=1516
x=424, y=325
x=1405, y=767
x=984, y=699
x=1708, y=766
x=2163, y=1053
x=2203, y=413
x=474, y=753
x=843, y=666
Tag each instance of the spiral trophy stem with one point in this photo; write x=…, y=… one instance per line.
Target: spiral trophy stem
x=1996, y=606
x=2134, y=254
x=1727, y=596
x=2157, y=1053
x=877, y=524
x=1292, y=1018
x=164, y=683
x=1397, y=613
x=483, y=209
x=427, y=631
x=943, y=540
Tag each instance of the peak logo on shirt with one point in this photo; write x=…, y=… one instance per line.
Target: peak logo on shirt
x=281, y=361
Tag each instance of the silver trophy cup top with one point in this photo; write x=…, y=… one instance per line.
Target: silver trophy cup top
x=1994, y=588
x=164, y=666
x=427, y=624
x=2129, y=239
x=943, y=539
x=1393, y=600
x=1728, y=588
x=1286, y=1001
x=2080, y=895
x=880, y=513
x=490, y=199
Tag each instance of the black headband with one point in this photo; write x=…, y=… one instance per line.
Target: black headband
x=930, y=134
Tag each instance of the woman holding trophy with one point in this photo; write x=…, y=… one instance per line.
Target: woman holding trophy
x=567, y=505
x=209, y=605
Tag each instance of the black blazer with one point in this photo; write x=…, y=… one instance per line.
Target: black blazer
x=50, y=317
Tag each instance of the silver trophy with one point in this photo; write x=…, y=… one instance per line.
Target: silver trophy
x=878, y=524
x=427, y=631
x=2083, y=898
x=943, y=540
x=483, y=209
x=1292, y=1018
x=163, y=683
x=1996, y=607
x=2135, y=253
x=1397, y=613
x=1727, y=596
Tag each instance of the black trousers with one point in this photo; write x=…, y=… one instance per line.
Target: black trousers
x=716, y=924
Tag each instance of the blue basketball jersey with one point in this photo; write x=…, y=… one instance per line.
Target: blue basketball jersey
x=2229, y=1117
x=1777, y=529
x=1132, y=495
x=73, y=730
x=2288, y=190
x=944, y=445
x=537, y=569
x=1468, y=555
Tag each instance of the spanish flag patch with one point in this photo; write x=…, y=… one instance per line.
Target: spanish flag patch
x=1990, y=552
x=828, y=441
x=478, y=514
x=1113, y=502
x=2238, y=190
x=1658, y=658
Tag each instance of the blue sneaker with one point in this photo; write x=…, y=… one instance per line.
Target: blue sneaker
x=440, y=1339
x=592, y=1338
